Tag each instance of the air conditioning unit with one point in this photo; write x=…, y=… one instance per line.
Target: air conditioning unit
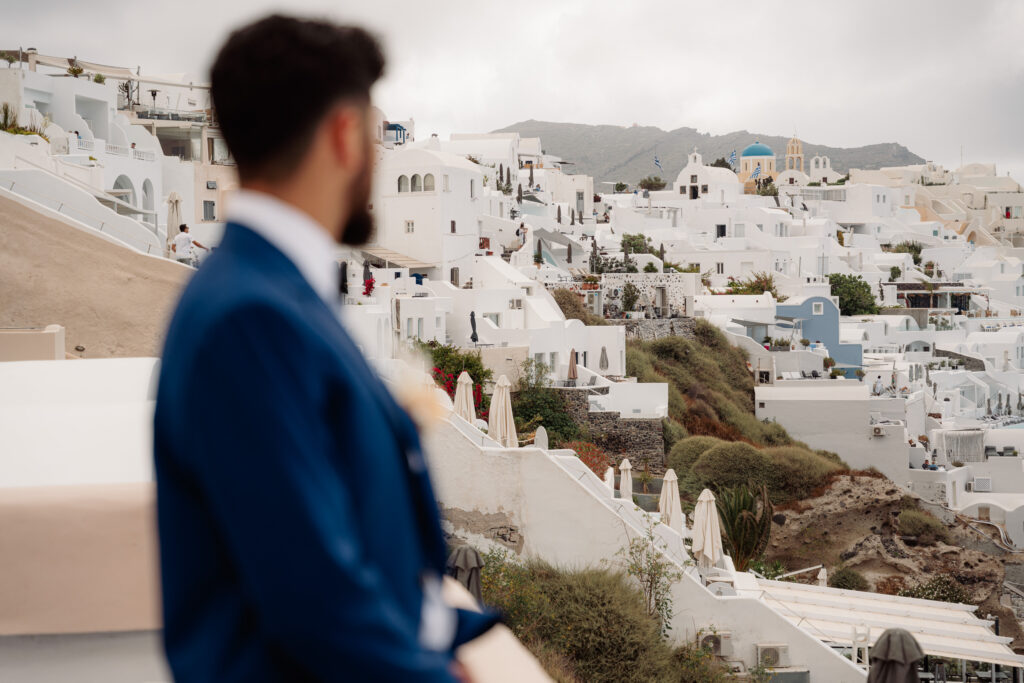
x=719, y=644
x=983, y=484
x=773, y=655
x=877, y=431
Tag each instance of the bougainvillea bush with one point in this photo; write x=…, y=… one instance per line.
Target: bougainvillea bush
x=449, y=382
x=592, y=456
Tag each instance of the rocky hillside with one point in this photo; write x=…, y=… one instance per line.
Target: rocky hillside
x=616, y=153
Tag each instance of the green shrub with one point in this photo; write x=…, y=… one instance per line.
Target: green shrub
x=848, y=578
x=924, y=526
x=672, y=433
x=597, y=619
x=589, y=625
x=685, y=453
x=795, y=472
x=732, y=464
x=944, y=587
x=573, y=308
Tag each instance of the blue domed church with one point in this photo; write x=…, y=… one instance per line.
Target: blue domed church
x=755, y=155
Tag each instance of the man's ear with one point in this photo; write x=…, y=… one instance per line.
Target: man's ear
x=346, y=135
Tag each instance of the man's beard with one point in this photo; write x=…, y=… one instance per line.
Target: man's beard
x=360, y=224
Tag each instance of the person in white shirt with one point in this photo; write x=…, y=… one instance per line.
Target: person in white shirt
x=182, y=246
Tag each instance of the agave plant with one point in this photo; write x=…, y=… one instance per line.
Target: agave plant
x=746, y=517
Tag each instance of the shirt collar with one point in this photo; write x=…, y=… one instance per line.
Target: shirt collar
x=295, y=234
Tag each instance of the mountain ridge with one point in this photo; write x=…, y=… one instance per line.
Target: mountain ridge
x=613, y=153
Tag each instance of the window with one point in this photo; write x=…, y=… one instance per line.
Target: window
x=553, y=358
x=446, y=183
x=818, y=308
x=428, y=182
x=419, y=328
x=472, y=189
x=453, y=227
x=209, y=210
x=693, y=179
x=455, y=276
x=408, y=327
x=410, y=226
x=760, y=404
x=403, y=183
x=719, y=230
x=417, y=183
x=703, y=189
x=720, y=268
x=682, y=189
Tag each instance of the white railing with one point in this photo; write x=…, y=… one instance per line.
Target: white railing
x=93, y=221
x=82, y=143
x=141, y=155
x=117, y=150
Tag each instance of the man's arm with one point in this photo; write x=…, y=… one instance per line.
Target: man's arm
x=174, y=247
x=195, y=242
x=260, y=447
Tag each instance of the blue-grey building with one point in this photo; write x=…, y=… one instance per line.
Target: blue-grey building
x=817, y=318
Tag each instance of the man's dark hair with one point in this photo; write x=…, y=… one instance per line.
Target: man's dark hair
x=183, y=227
x=311, y=65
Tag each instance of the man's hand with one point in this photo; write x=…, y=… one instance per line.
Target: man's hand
x=460, y=672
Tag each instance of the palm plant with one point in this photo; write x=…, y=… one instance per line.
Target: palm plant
x=746, y=517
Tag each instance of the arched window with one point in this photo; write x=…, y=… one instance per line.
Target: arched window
x=403, y=183
x=417, y=183
x=428, y=182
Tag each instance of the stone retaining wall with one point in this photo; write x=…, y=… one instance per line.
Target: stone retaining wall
x=971, y=364
x=656, y=328
x=639, y=439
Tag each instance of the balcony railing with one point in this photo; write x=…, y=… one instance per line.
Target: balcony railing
x=117, y=150
x=83, y=144
x=142, y=155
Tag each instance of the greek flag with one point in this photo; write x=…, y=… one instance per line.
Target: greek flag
x=732, y=158
x=756, y=173
x=657, y=163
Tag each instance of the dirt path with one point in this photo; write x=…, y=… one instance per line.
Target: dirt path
x=111, y=300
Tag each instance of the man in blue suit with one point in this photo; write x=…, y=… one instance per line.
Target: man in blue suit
x=299, y=534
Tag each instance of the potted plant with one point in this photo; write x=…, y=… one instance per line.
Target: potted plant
x=805, y=342
x=860, y=375
x=829, y=362
x=835, y=373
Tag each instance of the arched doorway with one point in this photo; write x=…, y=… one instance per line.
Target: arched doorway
x=125, y=190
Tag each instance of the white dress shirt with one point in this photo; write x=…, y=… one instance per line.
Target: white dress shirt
x=295, y=234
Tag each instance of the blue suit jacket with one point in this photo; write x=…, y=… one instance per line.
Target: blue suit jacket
x=296, y=517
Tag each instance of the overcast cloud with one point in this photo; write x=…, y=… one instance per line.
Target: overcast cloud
x=930, y=75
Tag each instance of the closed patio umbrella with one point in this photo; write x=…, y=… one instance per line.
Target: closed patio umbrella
x=367, y=275
x=603, y=362
x=464, y=398
x=173, y=219
x=625, y=480
x=669, y=506
x=472, y=323
x=573, y=373
x=609, y=479
x=707, y=531
x=501, y=425
x=894, y=657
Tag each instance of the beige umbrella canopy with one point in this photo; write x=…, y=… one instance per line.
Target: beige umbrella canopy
x=707, y=531
x=173, y=219
x=501, y=425
x=464, y=398
x=669, y=505
x=625, y=480
x=573, y=373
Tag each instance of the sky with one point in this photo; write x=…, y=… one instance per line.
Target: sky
x=942, y=77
